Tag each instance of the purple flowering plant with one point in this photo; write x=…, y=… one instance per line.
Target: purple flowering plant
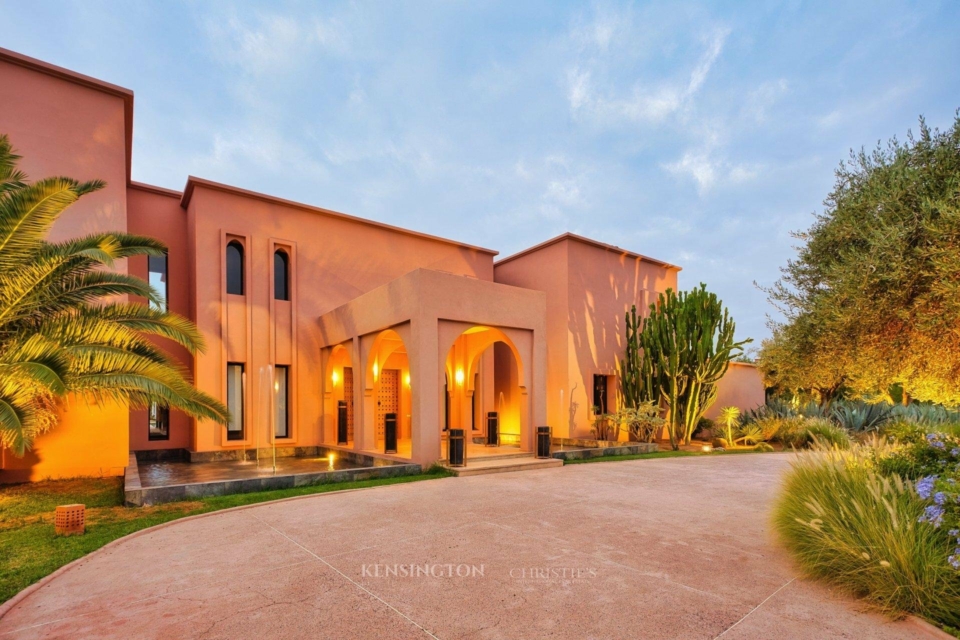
x=941, y=487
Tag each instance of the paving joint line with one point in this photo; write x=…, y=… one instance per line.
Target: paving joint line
x=782, y=587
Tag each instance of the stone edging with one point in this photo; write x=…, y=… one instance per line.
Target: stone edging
x=42, y=582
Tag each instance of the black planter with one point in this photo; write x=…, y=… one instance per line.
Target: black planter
x=390, y=433
x=493, y=429
x=543, y=442
x=456, y=448
x=341, y=422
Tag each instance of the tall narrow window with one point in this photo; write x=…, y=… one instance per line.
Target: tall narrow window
x=235, y=401
x=235, y=268
x=281, y=279
x=281, y=401
x=159, y=422
x=600, y=393
x=157, y=272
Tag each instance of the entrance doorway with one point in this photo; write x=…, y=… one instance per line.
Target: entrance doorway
x=388, y=399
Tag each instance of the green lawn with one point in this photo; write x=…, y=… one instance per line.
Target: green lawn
x=30, y=550
x=663, y=454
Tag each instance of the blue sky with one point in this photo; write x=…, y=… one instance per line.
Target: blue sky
x=701, y=134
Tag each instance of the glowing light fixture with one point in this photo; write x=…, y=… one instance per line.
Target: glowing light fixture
x=376, y=369
x=335, y=377
x=706, y=448
x=406, y=379
x=458, y=376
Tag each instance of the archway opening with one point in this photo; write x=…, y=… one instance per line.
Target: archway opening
x=387, y=397
x=342, y=386
x=483, y=393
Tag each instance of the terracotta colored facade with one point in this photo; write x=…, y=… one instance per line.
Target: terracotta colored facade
x=370, y=320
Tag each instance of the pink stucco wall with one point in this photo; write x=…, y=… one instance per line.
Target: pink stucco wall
x=64, y=124
x=590, y=287
x=156, y=213
x=741, y=387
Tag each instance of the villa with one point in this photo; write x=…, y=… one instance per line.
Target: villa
x=324, y=329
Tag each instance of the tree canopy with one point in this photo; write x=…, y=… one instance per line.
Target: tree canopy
x=873, y=298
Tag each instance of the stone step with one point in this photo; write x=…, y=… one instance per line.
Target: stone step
x=505, y=465
x=499, y=456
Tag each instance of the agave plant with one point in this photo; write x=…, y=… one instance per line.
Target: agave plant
x=857, y=415
x=63, y=330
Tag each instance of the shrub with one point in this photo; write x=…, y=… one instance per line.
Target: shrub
x=826, y=434
x=790, y=432
x=641, y=422
x=849, y=525
x=932, y=454
x=749, y=434
x=603, y=426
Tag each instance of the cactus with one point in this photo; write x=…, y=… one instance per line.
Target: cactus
x=676, y=356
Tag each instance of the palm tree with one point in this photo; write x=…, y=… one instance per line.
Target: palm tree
x=729, y=418
x=63, y=330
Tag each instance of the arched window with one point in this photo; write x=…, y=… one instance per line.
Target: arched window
x=235, y=268
x=281, y=277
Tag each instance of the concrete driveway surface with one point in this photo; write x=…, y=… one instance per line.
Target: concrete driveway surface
x=666, y=548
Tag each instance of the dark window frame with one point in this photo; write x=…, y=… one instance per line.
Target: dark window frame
x=286, y=387
x=601, y=393
x=163, y=415
x=284, y=279
x=241, y=433
x=165, y=259
x=236, y=278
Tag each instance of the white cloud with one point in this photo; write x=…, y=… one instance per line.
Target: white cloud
x=759, y=101
x=606, y=27
x=270, y=43
x=644, y=102
x=708, y=171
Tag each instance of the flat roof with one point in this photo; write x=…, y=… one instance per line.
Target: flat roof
x=588, y=241
x=126, y=95
x=160, y=191
x=193, y=182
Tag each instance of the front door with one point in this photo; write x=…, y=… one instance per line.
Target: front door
x=388, y=401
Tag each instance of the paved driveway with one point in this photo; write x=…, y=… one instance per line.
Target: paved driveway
x=669, y=548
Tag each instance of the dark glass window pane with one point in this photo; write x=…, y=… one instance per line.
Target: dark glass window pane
x=281, y=428
x=281, y=281
x=600, y=393
x=157, y=271
x=235, y=268
x=159, y=422
x=235, y=401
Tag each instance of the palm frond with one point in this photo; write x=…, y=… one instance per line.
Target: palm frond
x=27, y=213
x=11, y=178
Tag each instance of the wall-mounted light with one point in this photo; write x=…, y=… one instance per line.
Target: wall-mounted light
x=376, y=370
x=406, y=379
x=458, y=376
x=335, y=377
